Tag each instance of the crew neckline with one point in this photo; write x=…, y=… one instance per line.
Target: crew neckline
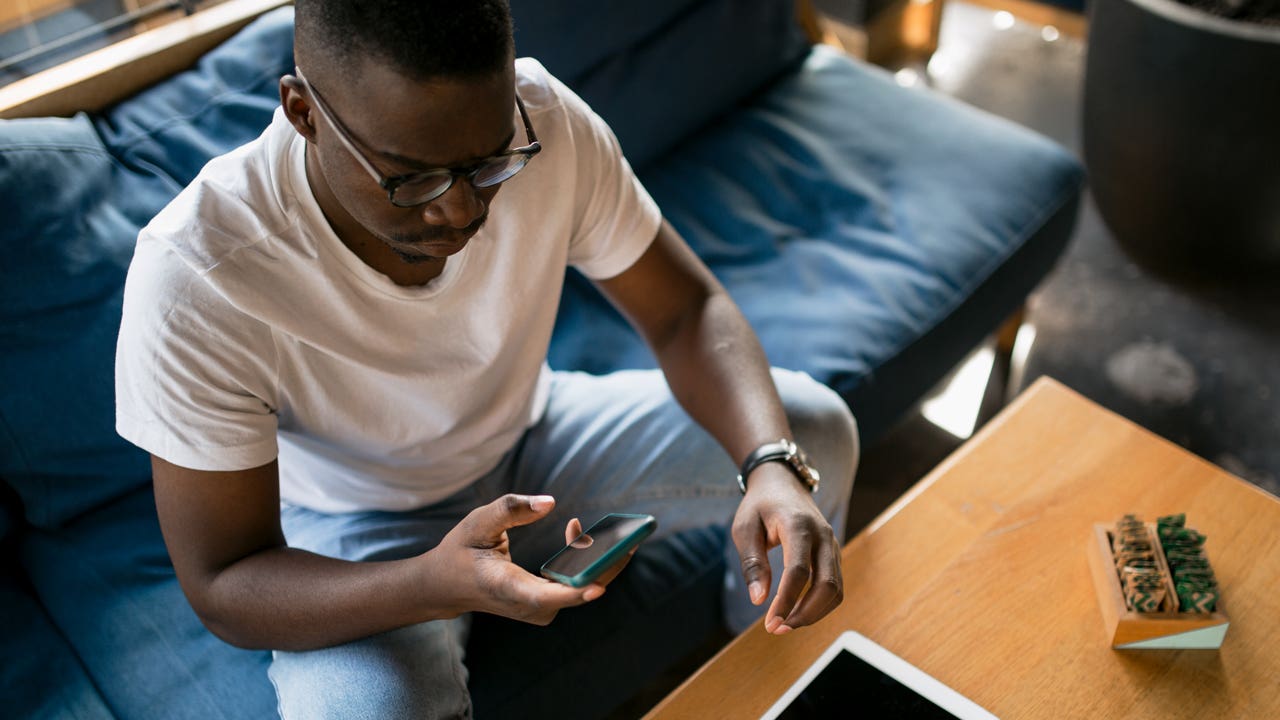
x=322, y=234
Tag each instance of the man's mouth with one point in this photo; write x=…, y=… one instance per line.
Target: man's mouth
x=441, y=236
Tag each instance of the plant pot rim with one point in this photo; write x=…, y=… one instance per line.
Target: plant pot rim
x=1200, y=20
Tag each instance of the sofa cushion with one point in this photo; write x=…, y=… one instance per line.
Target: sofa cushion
x=854, y=221
x=107, y=582
x=65, y=245
x=40, y=678
x=74, y=193
x=540, y=30
x=165, y=134
x=658, y=71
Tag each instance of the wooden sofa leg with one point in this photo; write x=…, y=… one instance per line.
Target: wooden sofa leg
x=904, y=32
x=1007, y=335
x=1006, y=366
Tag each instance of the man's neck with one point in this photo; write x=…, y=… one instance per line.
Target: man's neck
x=371, y=251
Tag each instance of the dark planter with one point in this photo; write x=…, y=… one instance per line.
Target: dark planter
x=1182, y=137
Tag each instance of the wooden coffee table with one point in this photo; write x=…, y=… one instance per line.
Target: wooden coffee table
x=979, y=576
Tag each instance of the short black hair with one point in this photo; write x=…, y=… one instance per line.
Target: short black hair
x=425, y=39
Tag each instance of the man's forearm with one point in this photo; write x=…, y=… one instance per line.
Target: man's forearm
x=288, y=599
x=720, y=375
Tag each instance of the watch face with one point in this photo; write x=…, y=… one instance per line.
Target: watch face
x=806, y=471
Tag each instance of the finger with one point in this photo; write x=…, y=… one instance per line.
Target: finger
x=827, y=589
x=546, y=593
x=510, y=511
x=543, y=597
x=797, y=554
x=572, y=530
x=753, y=548
x=526, y=588
x=608, y=575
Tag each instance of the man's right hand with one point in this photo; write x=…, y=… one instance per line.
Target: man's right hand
x=471, y=568
x=254, y=591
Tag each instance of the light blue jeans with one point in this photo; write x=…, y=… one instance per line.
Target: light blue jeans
x=613, y=443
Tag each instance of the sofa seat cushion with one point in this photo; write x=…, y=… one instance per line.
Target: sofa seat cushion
x=40, y=678
x=106, y=581
x=854, y=221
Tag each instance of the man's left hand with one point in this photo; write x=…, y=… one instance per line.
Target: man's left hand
x=779, y=510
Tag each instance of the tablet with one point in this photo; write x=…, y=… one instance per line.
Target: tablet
x=857, y=678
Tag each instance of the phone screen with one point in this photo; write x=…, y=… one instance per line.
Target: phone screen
x=593, y=545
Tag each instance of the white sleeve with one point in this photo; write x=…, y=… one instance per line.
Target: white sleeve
x=195, y=378
x=615, y=218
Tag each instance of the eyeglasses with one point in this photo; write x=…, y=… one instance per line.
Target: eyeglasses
x=418, y=188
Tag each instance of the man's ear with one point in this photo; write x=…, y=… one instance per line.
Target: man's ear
x=297, y=107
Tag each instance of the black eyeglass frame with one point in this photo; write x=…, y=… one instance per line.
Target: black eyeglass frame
x=392, y=183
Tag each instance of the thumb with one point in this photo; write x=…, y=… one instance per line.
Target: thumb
x=510, y=511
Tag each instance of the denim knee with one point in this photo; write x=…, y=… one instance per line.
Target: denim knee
x=413, y=672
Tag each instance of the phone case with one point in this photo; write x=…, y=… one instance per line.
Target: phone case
x=605, y=561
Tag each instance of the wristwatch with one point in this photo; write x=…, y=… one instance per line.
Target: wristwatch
x=782, y=451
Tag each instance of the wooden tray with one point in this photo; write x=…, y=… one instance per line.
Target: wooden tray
x=1166, y=628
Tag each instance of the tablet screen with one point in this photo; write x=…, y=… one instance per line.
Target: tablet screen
x=850, y=687
x=857, y=678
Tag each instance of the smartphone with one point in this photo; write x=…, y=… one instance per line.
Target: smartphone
x=598, y=548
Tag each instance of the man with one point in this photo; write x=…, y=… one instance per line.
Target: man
x=334, y=344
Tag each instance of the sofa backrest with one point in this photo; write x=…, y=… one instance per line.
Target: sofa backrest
x=659, y=70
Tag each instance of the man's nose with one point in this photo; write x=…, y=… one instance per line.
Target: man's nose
x=458, y=207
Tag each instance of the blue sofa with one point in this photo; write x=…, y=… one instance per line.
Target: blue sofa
x=872, y=234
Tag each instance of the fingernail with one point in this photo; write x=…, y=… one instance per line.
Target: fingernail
x=771, y=622
x=756, y=590
x=782, y=629
x=541, y=502
x=592, y=593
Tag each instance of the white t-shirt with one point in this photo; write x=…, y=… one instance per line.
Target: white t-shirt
x=250, y=332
